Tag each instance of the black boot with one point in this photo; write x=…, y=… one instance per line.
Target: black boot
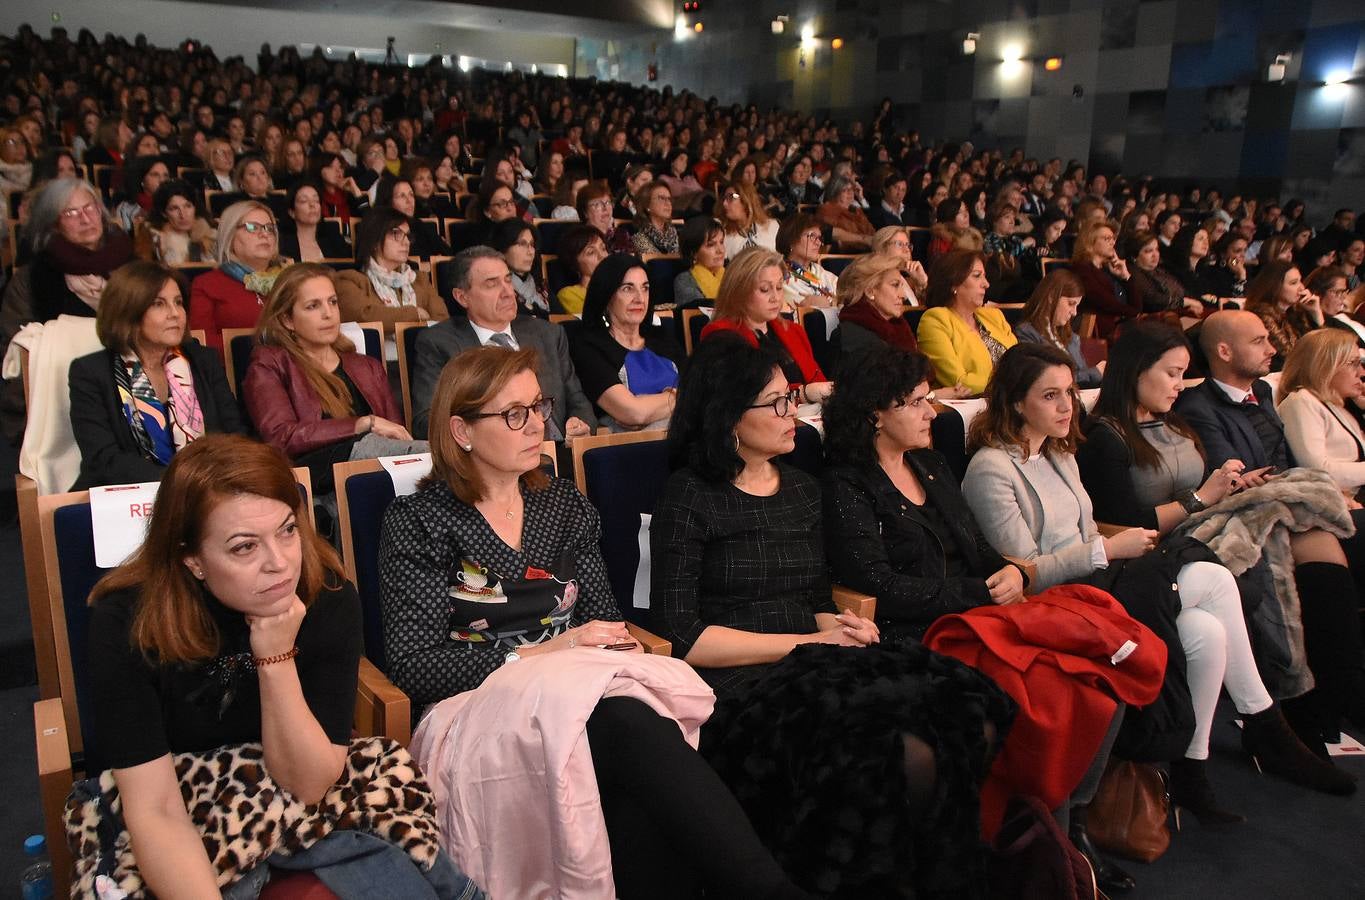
x=1331, y=637
x=1191, y=791
x=1108, y=876
x=1268, y=738
x=1309, y=722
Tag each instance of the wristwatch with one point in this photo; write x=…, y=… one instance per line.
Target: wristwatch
x=1190, y=502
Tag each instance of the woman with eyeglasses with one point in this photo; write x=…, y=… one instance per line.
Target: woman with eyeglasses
x=595, y=208
x=494, y=589
x=740, y=586
x=746, y=222
x=1331, y=284
x=806, y=282
x=151, y=391
x=248, y=255
x=494, y=203
x=75, y=248
x=654, y=221
x=519, y=246
x=627, y=365
x=895, y=241
x=848, y=224
x=388, y=289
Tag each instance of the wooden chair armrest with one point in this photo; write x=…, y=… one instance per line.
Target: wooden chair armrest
x=380, y=708
x=54, y=785
x=652, y=643
x=1108, y=530
x=1030, y=573
x=849, y=600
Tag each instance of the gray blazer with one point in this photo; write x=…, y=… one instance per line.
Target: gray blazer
x=1013, y=514
x=438, y=344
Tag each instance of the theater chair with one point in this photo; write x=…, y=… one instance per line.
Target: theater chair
x=405, y=336
x=622, y=475
x=59, y=562
x=364, y=492
x=239, y=342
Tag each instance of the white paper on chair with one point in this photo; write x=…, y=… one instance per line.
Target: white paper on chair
x=355, y=334
x=831, y=317
x=1089, y=396
x=640, y=595
x=406, y=471
x=118, y=517
x=1348, y=746
x=967, y=409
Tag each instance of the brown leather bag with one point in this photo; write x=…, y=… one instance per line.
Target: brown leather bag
x=1129, y=814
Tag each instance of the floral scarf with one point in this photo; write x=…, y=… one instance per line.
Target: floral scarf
x=393, y=288
x=651, y=240
x=160, y=429
x=259, y=283
x=809, y=279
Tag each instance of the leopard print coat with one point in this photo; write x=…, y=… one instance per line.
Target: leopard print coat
x=243, y=816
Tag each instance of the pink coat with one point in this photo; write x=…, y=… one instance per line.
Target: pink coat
x=512, y=772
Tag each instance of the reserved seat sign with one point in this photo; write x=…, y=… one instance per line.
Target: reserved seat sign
x=119, y=514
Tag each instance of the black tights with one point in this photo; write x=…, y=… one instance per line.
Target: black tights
x=673, y=825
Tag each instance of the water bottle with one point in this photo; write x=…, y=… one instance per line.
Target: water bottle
x=36, y=882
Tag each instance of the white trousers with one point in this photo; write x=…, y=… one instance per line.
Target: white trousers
x=1217, y=649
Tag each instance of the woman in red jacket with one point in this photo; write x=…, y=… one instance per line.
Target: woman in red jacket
x=307, y=390
x=248, y=254
x=750, y=303
x=1104, y=275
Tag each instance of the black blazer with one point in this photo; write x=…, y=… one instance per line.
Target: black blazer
x=109, y=452
x=1227, y=430
x=330, y=239
x=879, y=543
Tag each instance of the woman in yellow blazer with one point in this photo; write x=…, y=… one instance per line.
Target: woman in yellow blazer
x=962, y=337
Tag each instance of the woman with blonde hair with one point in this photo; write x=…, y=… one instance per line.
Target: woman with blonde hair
x=749, y=303
x=248, y=256
x=746, y=223
x=895, y=239
x=307, y=390
x=872, y=296
x=1321, y=375
x=1104, y=275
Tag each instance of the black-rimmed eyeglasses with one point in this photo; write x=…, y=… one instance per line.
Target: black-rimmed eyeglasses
x=781, y=406
x=515, y=416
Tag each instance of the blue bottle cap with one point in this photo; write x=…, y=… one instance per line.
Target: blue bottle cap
x=35, y=845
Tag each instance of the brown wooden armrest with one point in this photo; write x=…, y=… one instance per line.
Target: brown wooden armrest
x=1108, y=530
x=380, y=708
x=849, y=600
x=1030, y=573
x=651, y=643
x=54, y=784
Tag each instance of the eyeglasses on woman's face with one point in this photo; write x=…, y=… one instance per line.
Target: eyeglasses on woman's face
x=517, y=414
x=258, y=228
x=401, y=235
x=781, y=406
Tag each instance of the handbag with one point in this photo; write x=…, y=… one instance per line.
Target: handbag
x=1128, y=816
x=1033, y=859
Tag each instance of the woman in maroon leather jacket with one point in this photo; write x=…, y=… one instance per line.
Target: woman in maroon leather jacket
x=306, y=389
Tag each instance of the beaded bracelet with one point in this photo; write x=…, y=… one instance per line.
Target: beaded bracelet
x=282, y=657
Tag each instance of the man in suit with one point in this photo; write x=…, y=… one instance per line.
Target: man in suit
x=1233, y=410
x=479, y=280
